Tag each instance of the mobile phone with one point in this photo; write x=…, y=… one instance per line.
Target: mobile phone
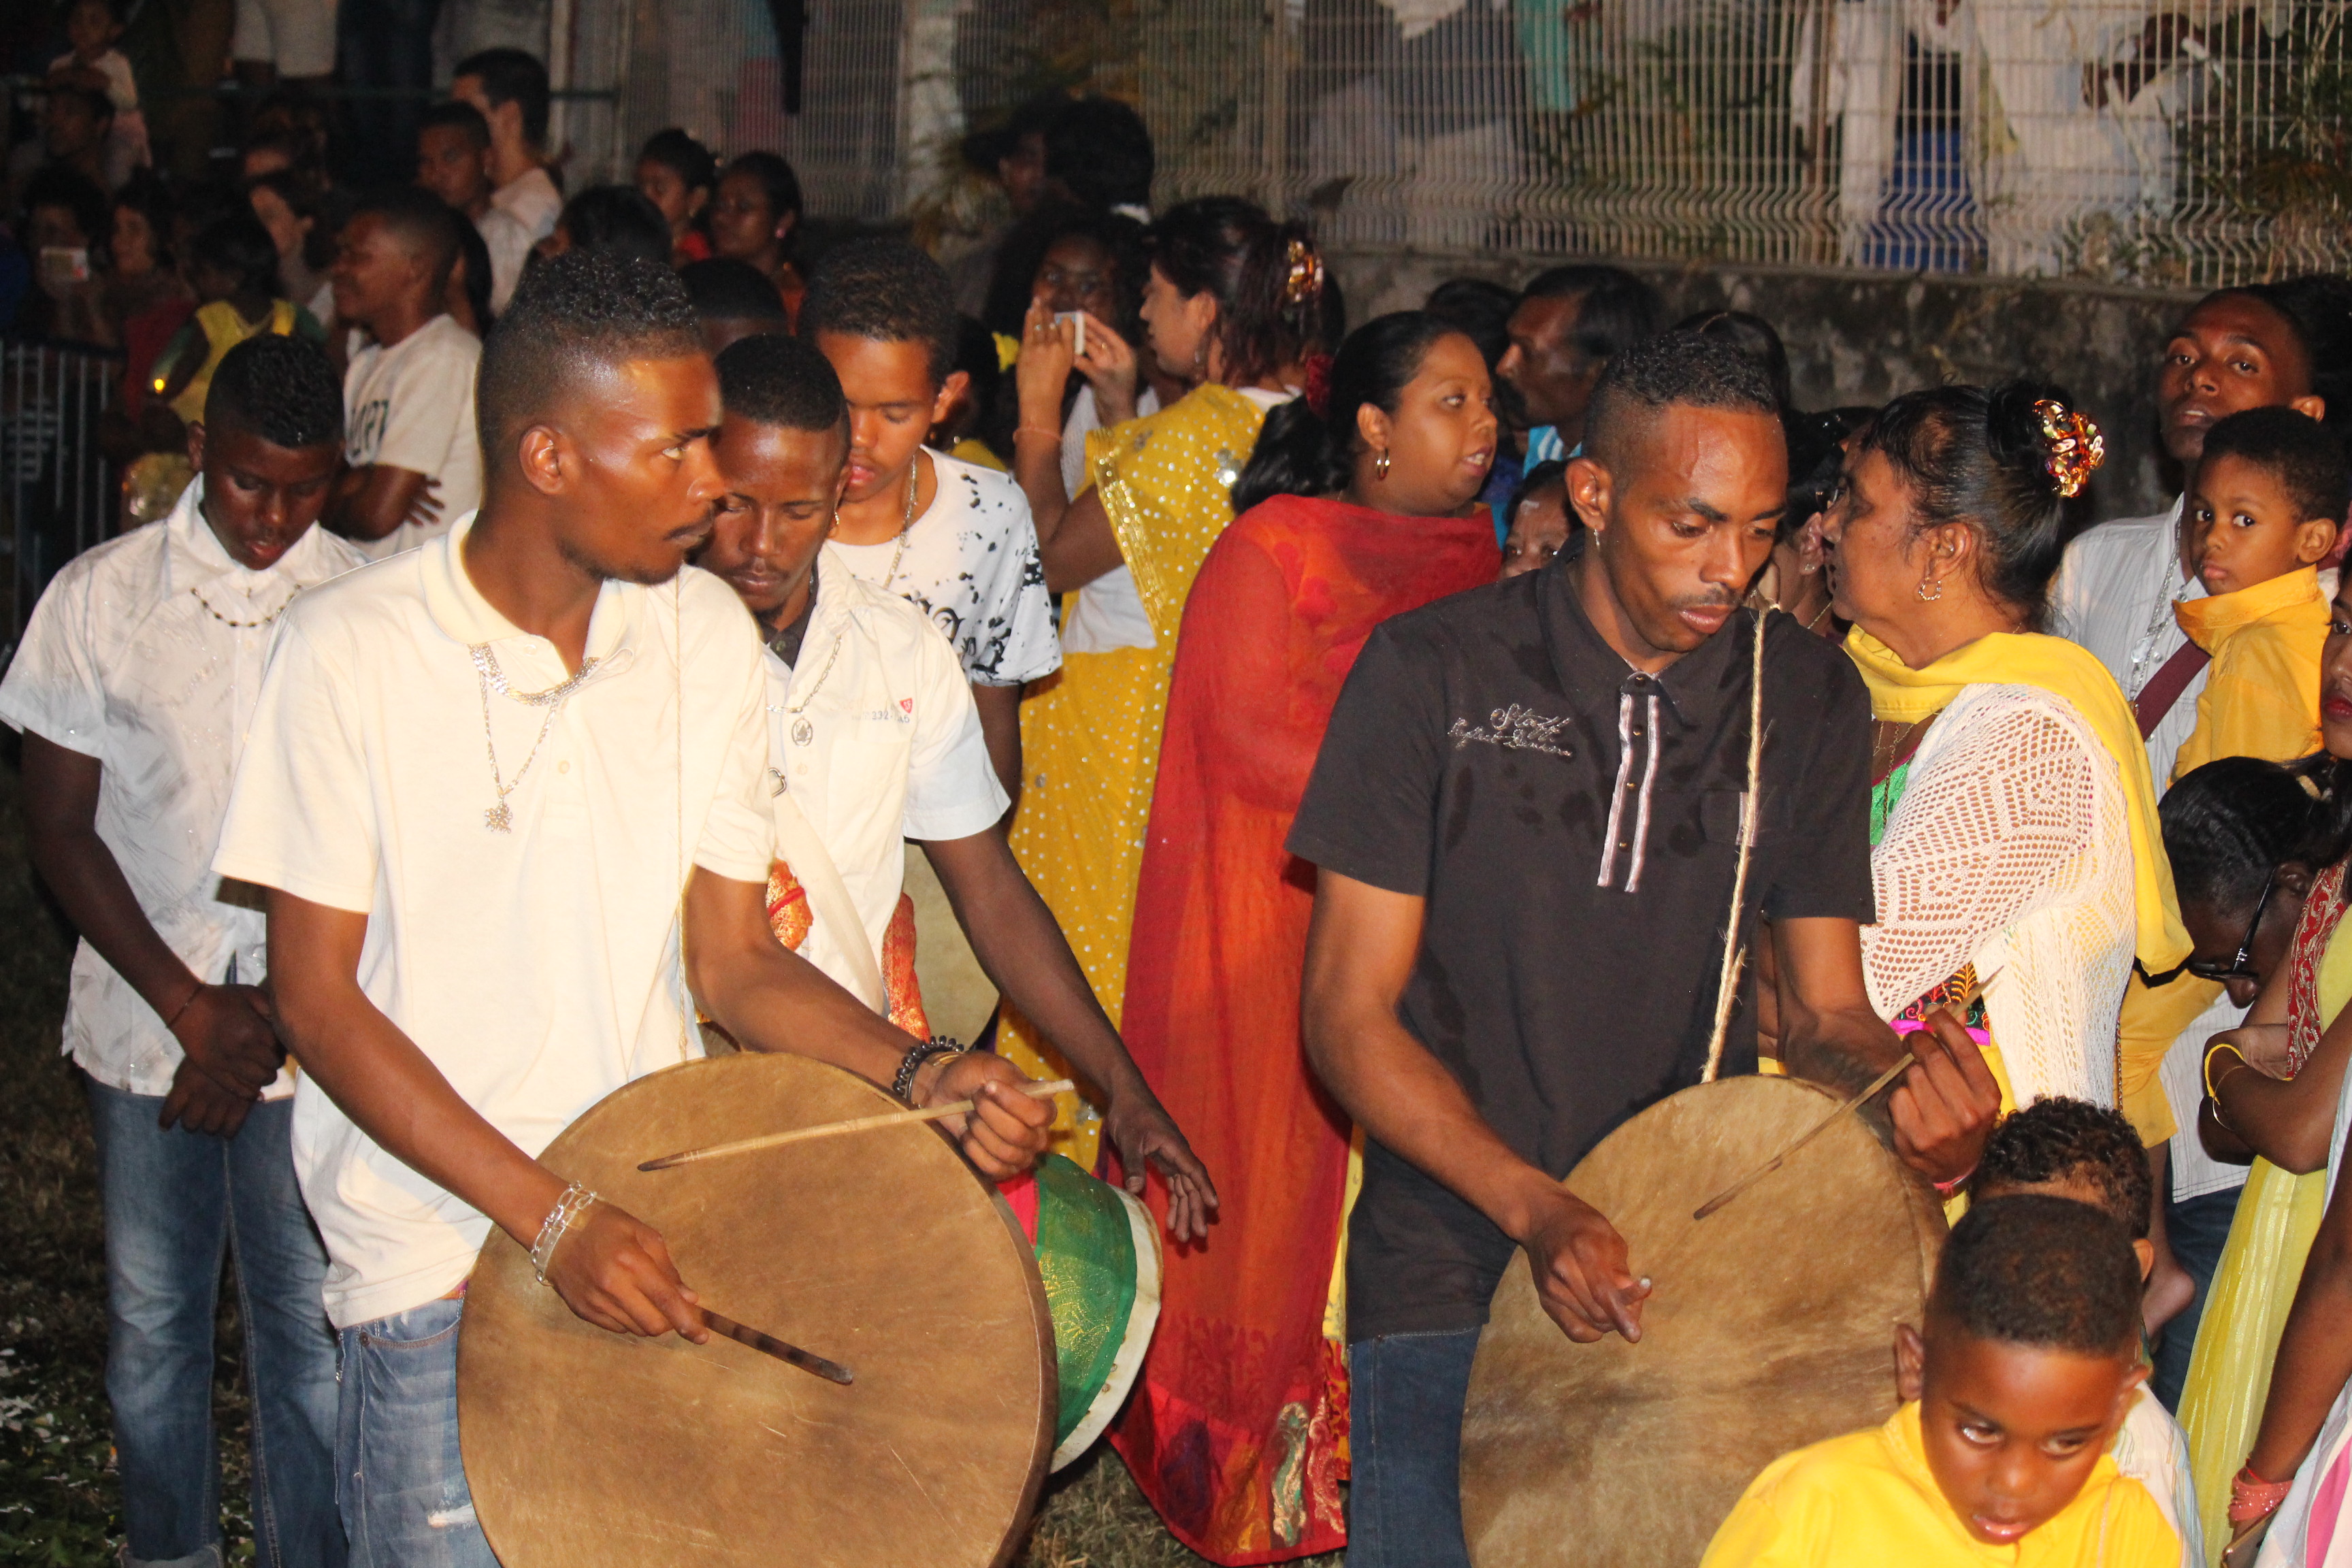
x=63, y=264
x=1080, y=318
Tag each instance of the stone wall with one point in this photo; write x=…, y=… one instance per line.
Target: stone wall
x=1866, y=338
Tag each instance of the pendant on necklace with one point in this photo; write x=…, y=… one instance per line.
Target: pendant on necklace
x=500, y=819
x=802, y=731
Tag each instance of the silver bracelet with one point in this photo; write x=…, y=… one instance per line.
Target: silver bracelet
x=568, y=1208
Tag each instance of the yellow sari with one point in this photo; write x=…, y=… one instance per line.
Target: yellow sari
x=2246, y=1306
x=1090, y=733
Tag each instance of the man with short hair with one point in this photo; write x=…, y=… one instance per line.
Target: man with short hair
x=1570, y=323
x=509, y=89
x=138, y=672
x=76, y=119
x=470, y=948
x=735, y=301
x=453, y=162
x=1526, y=812
x=415, y=462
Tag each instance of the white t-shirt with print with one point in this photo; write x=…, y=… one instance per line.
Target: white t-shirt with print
x=537, y=969
x=412, y=406
x=970, y=564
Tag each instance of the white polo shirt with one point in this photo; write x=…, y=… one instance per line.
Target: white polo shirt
x=146, y=653
x=893, y=748
x=537, y=969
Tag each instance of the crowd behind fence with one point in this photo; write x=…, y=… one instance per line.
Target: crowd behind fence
x=58, y=492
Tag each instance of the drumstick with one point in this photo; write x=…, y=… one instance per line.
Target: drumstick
x=1815, y=1131
x=1034, y=1089
x=768, y=1344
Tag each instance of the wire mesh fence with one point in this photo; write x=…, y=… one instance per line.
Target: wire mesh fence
x=2164, y=143
x=56, y=487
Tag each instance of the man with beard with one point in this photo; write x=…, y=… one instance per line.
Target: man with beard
x=469, y=950
x=1526, y=814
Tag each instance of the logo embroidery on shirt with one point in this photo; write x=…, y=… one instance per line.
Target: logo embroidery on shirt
x=1515, y=729
x=905, y=705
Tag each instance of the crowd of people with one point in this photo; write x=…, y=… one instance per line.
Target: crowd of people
x=1335, y=747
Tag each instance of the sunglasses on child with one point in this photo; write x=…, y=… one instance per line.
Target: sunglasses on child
x=2238, y=968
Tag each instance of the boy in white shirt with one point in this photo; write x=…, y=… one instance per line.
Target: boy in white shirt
x=950, y=537
x=510, y=88
x=873, y=740
x=453, y=162
x=470, y=950
x=138, y=674
x=416, y=461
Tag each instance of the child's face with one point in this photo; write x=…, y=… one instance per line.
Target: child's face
x=2014, y=1431
x=91, y=29
x=893, y=403
x=782, y=488
x=2244, y=530
x=1539, y=529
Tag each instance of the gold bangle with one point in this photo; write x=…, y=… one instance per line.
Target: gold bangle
x=2213, y=1085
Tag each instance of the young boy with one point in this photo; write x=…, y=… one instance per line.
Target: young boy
x=139, y=672
x=873, y=740
x=2263, y=512
x=416, y=461
x=953, y=539
x=2072, y=1149
x=2029, y=1363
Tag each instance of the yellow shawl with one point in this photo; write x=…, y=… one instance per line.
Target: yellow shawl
x=1904, y=695
x=1166, y=481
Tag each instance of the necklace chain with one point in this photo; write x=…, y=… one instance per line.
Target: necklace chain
x=906, y=523
x=499, y=816
x=241, y=625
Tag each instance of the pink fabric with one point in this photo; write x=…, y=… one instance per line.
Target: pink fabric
x=2326, y=1505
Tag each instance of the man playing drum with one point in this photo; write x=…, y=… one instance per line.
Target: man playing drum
x=1528, y=817
x=493, y=785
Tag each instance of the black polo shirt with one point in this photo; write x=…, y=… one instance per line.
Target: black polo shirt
x=1573, y=825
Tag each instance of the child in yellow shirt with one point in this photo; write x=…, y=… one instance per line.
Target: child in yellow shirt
x=2028, y=1365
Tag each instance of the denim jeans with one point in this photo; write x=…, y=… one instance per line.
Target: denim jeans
x=1405, y=1394
x=177, y=1201
x=404, y=1493
x=2197, y=1228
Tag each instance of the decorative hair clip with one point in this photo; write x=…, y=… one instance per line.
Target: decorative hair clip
x=1319, y=384
x=1302, y=283
x=2072, y=444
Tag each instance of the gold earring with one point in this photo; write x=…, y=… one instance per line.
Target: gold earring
x=1931, y=580
x=1380, y=465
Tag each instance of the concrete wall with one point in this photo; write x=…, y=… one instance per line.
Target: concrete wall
x=1864, y=339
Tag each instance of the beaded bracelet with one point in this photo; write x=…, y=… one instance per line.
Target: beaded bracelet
x=2253, y=1498
x=903, y=1083
x=560, y=1218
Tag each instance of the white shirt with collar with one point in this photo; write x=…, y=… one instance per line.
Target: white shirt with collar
x=537, y=968
x=146, y=653
x=532, y=198
x=893, y=748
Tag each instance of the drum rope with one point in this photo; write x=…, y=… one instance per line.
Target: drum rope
x=1735, y=951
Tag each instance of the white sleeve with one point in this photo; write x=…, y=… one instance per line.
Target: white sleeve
x=2002, y=821
x=300, y=815
x=53, y=688
x=952, y=791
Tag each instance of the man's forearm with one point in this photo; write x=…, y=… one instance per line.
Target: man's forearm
x=1000, y=727
x=1840, y=1049
x=90, y=886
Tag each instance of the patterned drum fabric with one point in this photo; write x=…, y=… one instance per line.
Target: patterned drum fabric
x=1099, y=1257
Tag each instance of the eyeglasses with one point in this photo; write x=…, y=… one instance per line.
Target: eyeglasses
x=2238, y=968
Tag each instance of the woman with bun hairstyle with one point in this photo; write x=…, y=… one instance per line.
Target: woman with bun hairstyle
x=1360, y=503
x=1232, y=308
x=2018, y=862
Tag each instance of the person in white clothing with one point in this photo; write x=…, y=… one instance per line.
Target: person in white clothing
x=453, y=162
x=952, y=538
x=470, y=950
x=136, y=678
x=873, y=738
x=414, y=460
x=510, y=88
x=2115, y=594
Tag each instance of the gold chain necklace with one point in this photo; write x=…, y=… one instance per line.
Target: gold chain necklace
x=906, y=523
x=241, y=625
x=499, y=816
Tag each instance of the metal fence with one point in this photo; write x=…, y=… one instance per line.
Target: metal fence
x=2183, y=144
x=58, y=491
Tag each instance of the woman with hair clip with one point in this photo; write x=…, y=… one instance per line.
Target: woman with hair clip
x=1361, y=504
x=2017, y=859
x=2274, y=1088
x=1232, y=308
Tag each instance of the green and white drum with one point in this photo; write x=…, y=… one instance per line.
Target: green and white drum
x=1098, y=1254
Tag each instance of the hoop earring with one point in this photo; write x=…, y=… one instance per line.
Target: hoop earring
x=1926, y=583
x=1380, y=465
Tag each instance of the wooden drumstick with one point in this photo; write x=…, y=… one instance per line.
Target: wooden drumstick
x=768, y=1344
x=1815, y=1131
x=1034, y=1089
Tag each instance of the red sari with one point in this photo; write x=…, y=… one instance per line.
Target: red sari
x=1237, y=1431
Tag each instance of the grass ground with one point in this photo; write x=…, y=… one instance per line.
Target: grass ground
x=59, y=1500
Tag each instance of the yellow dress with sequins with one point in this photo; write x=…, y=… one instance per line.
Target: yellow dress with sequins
x=1090, y=733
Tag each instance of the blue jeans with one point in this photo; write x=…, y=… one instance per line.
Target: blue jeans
x=404, y=1497
x=176, y=1202
x=1405, y=1394
x=2197, y=1228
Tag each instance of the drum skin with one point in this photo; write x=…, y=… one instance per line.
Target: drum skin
x=1771, y=1325
x=881, y=1250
